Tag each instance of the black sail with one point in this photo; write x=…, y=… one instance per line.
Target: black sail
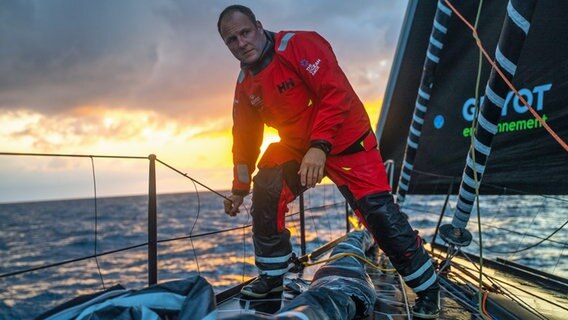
x=524, y=156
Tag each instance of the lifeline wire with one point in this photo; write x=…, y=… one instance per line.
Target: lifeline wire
x=96, y=221
x=193, y=226
x=534, y=244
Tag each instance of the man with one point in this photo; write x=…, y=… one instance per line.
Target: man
x=291, y=81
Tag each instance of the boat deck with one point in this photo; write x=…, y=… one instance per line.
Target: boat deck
x=394, y=299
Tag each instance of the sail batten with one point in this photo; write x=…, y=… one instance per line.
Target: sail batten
x=512, y=42
x=439, y=30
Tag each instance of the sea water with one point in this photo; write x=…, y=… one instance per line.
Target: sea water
x=40, y=235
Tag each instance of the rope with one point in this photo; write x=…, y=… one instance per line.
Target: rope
x=534, y=244
x=192, y=179
x=559, y=257
x=483, y=305
x=244, y=240
x=9, y=274
x=193, y=226
x=482, y=310
x=349, y=254
x=504, y=78
x=495, y=281
x=498, y=228
x=96, y=222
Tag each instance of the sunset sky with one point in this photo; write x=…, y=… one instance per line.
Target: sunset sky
x=140, y=77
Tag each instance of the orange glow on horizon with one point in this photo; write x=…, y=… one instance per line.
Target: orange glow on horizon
x=374, y=110
x=203, y=150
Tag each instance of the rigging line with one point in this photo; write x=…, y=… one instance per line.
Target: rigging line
x=312, y=217
x=528, y=227
x=295, y=224
x=459, y=296
x=558, y=261
x=244, y=239
x=522, y=303
x=5, y=275
x=494, y=186
x=508, y=293
x=431, y=174
x=244, y=255
x=194, y=223
x=483, y=305
x=96, y=221
x=529, y=235
x=480, y=293
x=194, y=180
x=405, y=296
x=498, y=228
x=495, y=280
x=462, y=267
x=502, y=289
x=69, y=155
x=504, y=78
x=349, y=254
x=203, y=234
x=327, y=216
x=534, y=244
x=237, y=228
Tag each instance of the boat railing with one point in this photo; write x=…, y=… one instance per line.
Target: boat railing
x=152, y=215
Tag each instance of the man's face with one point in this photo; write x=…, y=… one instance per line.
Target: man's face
x=244, y=38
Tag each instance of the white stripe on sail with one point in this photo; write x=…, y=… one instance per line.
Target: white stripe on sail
x=416, y=118
x=432, y=56
x=423, y=94
x=421, y=107
x=479, y=168
x=480, y=147
x=440, y=27
x=442, y=7
x=505, y=62
x=415, y=131
x=517, y=18
x=411, y=143
x=494, y=97
x=436, y=43
x=486, y=124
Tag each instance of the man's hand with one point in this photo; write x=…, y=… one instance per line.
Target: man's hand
x=312, y=167
x=232, y=204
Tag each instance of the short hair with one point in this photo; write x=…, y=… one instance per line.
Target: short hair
x=235, y=8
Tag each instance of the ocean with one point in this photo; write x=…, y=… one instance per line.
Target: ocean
x=523, y=229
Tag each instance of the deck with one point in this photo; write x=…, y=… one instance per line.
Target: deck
x=513, y=294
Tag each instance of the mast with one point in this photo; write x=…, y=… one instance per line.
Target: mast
x=513, y=34
x=435, y=46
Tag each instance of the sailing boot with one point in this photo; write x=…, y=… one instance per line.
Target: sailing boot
x=427, y=304
x=262, y=286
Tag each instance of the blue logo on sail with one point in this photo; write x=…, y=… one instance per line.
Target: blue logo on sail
x=439, y=121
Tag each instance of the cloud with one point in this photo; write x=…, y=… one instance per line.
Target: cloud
x=134, y=77
x=166, y=55
x=100, y=129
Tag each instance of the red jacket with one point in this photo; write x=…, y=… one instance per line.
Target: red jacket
x=304, y=94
